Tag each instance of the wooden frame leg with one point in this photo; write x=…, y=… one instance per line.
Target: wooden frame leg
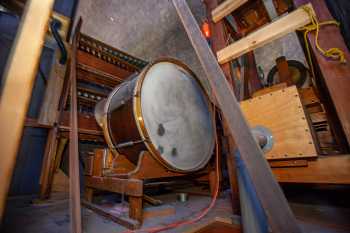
x=135, y=208
x=212, y=181
x=48, y=164
x=88, y=194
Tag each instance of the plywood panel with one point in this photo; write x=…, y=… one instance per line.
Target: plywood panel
x=282, y=113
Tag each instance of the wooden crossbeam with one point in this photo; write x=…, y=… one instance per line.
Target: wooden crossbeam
x=19, y=78
x=280, y=216
x=225, y=9
x=265, y=35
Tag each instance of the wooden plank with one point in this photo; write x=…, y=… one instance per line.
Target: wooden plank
x=98, y=64
x=127, y=222
x=74, y=176
x=31, y=122
x=334, y=74
x=19, y=76
x=225, y=9
x=264, y=35
x=281, y=218
x=330, y=169
x=49, y=109
x=133, y=187
x=158, y=212
x=282, y=113
x=284, y=74
x=289, y=163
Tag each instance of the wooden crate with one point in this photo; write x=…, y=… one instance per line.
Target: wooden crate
x=283, y=114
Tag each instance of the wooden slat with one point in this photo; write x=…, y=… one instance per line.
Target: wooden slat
x=47, y=170
x=330, y=169
x=264, y=35
x=335, y=75
x=127, y=222
x=99, y=64
x=226, y=8
x=132, y=187
x=49, y=108
x=19, y=78
x=280, y=217
x=74, y=177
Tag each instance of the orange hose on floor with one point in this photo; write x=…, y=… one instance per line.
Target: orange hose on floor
x=203, y=213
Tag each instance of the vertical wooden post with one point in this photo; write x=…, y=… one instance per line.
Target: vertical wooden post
x=19, y=78
x=48, y=164
x=218, y=41
x=74, y=176
x=135, y=208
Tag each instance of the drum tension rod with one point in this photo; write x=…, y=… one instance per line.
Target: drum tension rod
x=126, y=144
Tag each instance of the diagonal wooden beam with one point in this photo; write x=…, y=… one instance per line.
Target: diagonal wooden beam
x=225, y=9
x=18, y=79
x=265, y=35
x=280, y=216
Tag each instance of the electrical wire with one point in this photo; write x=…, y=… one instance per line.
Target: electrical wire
x=203, y=212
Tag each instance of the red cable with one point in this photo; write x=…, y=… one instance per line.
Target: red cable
x=202, y=214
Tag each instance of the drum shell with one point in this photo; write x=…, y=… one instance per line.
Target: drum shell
x=124, y=129
x=123, y=123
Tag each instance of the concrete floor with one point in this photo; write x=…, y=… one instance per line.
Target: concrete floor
x=314, y=212
x=52, y=217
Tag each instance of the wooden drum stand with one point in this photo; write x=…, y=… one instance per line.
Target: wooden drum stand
x=119, y=175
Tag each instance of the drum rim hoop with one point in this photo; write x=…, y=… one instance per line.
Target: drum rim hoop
x=138, y=116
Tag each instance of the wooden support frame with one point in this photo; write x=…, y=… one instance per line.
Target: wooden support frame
x=277, y=210
x=123, y=177
x=266, y=34
x=225, y=9
x=334, y=75
x=19, y=78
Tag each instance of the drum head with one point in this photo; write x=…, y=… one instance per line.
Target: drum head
x=177, y=116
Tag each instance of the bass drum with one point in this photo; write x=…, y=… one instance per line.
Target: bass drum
x=164, y=110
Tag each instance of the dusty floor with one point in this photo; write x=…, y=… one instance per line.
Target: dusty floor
x=319, y=211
